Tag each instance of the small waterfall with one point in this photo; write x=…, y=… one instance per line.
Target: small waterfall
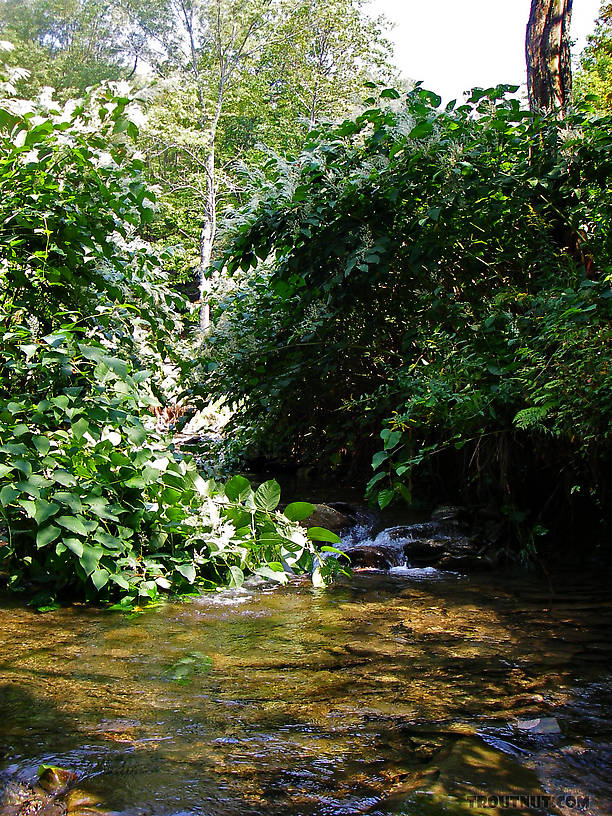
x=422, y=549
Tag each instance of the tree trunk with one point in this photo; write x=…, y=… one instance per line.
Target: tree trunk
x=207, y=239
x=547, y=48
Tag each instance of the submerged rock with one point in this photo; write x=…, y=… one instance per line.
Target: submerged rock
x=21, y=799
x=542, y=725
x=56, y=780
x=464, y=563
x=53, y=795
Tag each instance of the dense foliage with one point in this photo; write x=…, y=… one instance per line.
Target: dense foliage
x=93, y=500
x=445, y=273
x=593, y=81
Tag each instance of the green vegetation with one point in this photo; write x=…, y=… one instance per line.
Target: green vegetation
x=446, y=274
x=94, y=500
x=593, y=83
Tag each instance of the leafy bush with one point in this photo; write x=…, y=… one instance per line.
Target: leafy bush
x=440, y=272
x=95, y=501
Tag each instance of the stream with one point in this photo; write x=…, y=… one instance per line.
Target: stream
x=402, y=692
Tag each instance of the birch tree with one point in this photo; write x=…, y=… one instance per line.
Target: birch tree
x=254, y=71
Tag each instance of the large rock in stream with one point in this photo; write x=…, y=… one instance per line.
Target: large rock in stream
x=330, y=517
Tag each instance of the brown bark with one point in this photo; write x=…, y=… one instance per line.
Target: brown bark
x=547, y=48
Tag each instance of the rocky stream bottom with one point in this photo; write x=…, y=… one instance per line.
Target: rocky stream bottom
x=418, y=687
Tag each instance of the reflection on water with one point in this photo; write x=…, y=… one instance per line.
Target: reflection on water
x=388, y=695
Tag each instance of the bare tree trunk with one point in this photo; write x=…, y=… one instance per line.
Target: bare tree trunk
x=207, y=238
x=547, y=48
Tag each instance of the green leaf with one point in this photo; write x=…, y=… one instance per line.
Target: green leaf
x=95, y=353
x=267, y=495
x=298, y=511
x=46, y=535
x=8, y=494
x=116, y=365
x=171, y=496
x=100, y=578
x=61, y=401
x=274, y=572
x=136, y=434
x=392, y=440
x=14, y=449
x=375, y=480
x=77, y=524
x=321, y=534
x=80, y=428
x=101, y=507
x=90, y=558
x=135, y=481
x=63, y=477
x=42, y=444
x=187, y=571
x=378, y=458
x=75, y=545
x=71, y=500
x=384, y=498
x=109, y=541
x=24, y=466
x=4, y=470
x=28, y=506
x=29, y=349
x=422, y=130
x=238, y=489
x=236, y=577
x=120, y=580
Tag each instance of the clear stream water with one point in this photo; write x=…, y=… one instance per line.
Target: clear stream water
x=389, y=694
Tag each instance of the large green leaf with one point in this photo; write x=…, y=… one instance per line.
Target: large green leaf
x=116, y=365
x=44, y=510
x=236, y=576
x=8, y=494
x=14, y=448
x=100, y=578
x=24, y=466
x=422, y=130
x=90, y=558
x=75, y=545
x=100, y=506
x=63, y=477
x=42, y=444
x=298, y=511
x=46, y=535
x=238, y=489
x=28, y=506
x=267, y=495
x=80, y=428
x=187, y=571
x=273, y=571
x=321, y=534
x=71, y=500
x=77, y=524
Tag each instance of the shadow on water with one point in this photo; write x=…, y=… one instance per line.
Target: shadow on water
x=383, y=695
